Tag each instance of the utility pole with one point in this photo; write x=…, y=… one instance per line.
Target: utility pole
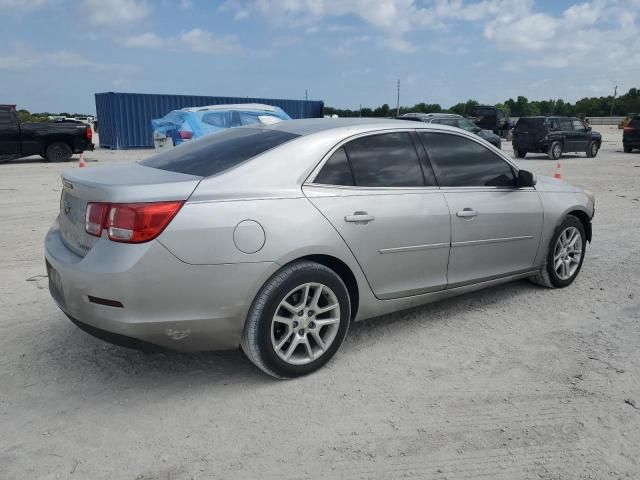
x=615, y=92
x=306, y=94
x=398, y=101
x=360, y=110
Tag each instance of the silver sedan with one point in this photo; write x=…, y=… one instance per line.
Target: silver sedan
x=275, y=238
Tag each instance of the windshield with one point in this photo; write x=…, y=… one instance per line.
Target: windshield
x=467, y=124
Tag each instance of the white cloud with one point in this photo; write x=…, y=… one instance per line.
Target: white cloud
x=196, y=40
x=597, y=32
x=21, y=4
x=26, y=58
x=115, y=12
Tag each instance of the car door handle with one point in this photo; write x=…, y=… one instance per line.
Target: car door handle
x=359, y=217
x=467, y=213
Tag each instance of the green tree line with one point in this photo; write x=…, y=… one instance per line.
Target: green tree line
x=520, y=107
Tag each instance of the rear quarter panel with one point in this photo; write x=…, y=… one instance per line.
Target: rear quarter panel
x=205, y=233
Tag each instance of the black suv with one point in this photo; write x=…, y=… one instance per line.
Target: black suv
x=553, y=136
x=491, y=118
x=631, y=135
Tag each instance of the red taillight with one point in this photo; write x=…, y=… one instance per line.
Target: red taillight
x=185, y=134
x=89, y=134
x=95, y=218
x=131, y=222
x=628, y=129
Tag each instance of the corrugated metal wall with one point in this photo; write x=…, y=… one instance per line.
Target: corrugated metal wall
x=124, y=119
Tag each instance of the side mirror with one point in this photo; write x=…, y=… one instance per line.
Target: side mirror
x=588, y=129
x=526, y=179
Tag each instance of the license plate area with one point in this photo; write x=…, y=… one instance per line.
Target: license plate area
x=55, y=285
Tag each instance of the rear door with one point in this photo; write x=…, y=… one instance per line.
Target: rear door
x=495, y=226
x=527, y=133
x=9, y=133
x=392, y=216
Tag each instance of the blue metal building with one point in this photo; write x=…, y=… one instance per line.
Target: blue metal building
x=124, y=119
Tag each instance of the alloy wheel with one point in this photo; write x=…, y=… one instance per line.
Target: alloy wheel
x=567, y=253
x=305, y=324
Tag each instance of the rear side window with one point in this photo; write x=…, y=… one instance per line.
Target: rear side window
x=5, y=118
x=218, y=152
x=461, y=162
x=385, y=160
x=218, y=119
x=484, y=112
x=336, y=171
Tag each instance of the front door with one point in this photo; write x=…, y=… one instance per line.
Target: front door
x=397, y=225
x=495, y=227
x=580, y=136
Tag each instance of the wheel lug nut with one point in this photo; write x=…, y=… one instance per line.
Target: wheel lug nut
x=311, y=313
x=312, y=325
x=295, y=324
x=300, y=313
x=301, y=332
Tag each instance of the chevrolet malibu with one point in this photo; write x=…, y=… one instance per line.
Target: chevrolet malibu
x=276, y=237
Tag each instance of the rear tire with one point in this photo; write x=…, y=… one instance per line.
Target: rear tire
x=520, y=153
x=299, y=338
x=627, y=149
x=592, y=150
x=563, y=261
x=555, y=150
x=59, y=152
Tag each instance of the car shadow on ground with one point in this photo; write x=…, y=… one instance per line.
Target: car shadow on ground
x=35, y=159
x=68, y=354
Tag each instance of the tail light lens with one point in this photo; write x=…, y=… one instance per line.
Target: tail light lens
x=131, y=222
x=89, y=134
x=185, y=134
x=95, y=218
x=628, y=129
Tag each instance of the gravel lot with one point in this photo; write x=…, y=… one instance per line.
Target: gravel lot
x=514, y=382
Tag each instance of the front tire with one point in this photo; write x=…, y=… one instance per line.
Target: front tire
x=565, y=254
x=520, y=153
x=627, y=149
x=555, y=150
x=592, y=150
x=58, y=152
x=297, y=321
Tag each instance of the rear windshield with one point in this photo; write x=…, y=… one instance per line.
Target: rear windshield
x=484, y=112
x=530, y=123
x=218, y=152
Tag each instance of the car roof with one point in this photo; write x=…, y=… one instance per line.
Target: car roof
x=309, y=126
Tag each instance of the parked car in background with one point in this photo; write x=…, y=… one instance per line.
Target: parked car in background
x=189, y=249
x=55, y=141
x=190, y=123
x=466, y=124
x=554, y=136
x=631, y=135
x=491, y=118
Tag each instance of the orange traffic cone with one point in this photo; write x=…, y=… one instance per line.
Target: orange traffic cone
x=558, y=173
x=82, y=163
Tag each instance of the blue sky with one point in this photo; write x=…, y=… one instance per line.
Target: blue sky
x=55, y=54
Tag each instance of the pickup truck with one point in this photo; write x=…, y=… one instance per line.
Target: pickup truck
x=54, y=141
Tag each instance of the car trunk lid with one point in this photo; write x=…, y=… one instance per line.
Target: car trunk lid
x=127, y=183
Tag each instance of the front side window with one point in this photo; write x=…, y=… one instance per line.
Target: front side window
x=565, y=124
x=578, y=126
x=461, y=162
x=385, y=160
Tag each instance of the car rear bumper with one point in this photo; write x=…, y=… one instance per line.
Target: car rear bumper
x=145, y=294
